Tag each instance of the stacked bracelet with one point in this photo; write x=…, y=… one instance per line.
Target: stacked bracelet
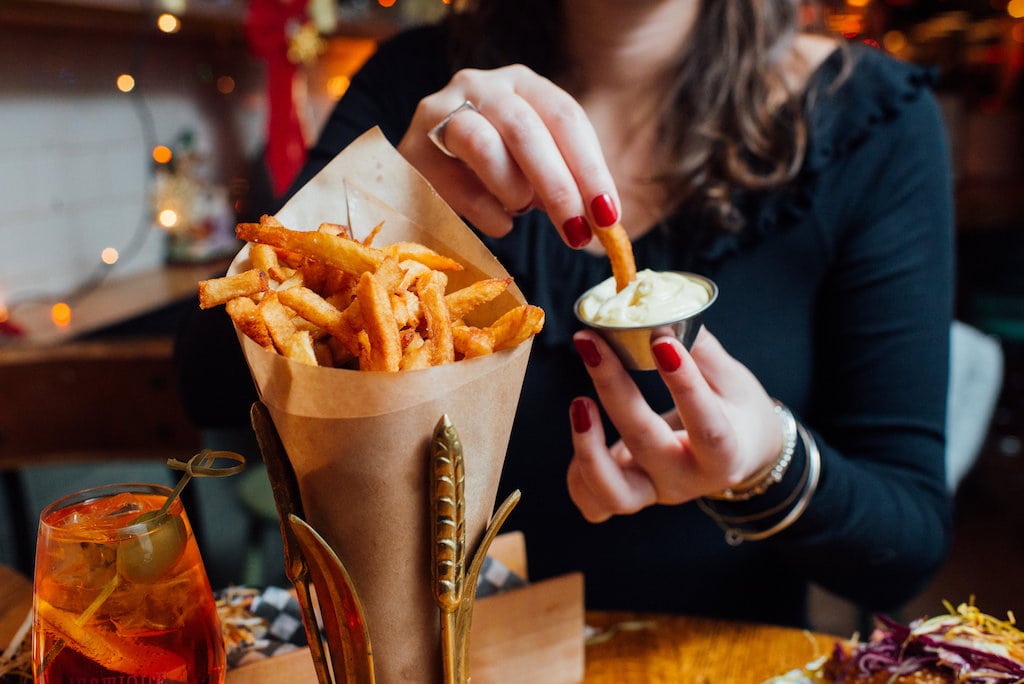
x=772, y=474
x=733, y=520
x=735, y=536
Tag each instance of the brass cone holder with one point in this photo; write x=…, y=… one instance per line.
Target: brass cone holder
x=342, y=653
x=310, y=562
x=357, y=443
x=455, y=584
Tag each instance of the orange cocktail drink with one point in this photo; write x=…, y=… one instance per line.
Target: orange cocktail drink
x=121, y=594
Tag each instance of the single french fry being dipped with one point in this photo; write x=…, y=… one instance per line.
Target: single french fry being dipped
x=617, y=245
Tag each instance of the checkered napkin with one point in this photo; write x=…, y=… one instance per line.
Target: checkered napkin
x=259, y=624
x=495, y=577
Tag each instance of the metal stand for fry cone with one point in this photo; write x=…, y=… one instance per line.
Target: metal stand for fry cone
x=342, y=654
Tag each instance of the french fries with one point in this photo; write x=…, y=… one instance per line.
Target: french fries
x=324, y=298
x=620, y=252
x=221, y=290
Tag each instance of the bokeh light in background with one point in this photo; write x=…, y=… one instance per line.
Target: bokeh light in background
x=125, y=83
x=168, y=23
x=894, y=41
x=341, y=59
x=225, y=85
x=162, y=154
x=168, y=218
x=60, y=314
x=337, y=85
x=109, y=256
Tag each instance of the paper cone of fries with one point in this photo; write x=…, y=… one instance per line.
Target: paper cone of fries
x=358, y=440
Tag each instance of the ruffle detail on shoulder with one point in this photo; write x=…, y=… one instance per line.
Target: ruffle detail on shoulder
x=875, y=89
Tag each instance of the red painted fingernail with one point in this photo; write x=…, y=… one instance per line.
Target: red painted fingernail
x=579, y=414
x=604, y=211
x=577, y=232
x=667, y=356
x=588, y=351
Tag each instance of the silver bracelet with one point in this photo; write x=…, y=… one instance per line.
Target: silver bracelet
x=726, y=521
x=735, y=536
x=773, y=474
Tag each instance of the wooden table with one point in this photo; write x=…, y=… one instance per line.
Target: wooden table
x=68, y=399
x=637, y=649
x=113, y=301
x=688, y=650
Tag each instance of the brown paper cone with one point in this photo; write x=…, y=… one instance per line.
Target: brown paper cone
x=358, y=441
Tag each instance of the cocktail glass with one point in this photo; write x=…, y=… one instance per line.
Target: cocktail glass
x=121, y=594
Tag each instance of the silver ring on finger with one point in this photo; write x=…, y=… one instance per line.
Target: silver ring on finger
x=436, y=134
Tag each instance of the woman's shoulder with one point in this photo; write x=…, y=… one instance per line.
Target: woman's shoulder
x=419, y=39
x=413, y=53
x=404, y=68
x=874, y=68
x=859, y=76
x=858, y=100
x=859, y=88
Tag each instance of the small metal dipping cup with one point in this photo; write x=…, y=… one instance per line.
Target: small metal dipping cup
x=632, y=344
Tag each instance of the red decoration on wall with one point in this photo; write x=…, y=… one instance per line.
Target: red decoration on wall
x=268, y=26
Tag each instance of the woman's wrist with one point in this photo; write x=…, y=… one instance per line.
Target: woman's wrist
x=772, y=473
x=759, y=525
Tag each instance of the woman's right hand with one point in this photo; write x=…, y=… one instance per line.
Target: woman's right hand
x=524, y=144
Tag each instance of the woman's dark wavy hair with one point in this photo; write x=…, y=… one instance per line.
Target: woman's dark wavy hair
x=725, y=128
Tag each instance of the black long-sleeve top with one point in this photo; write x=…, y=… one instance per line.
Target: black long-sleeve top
x=837, y=295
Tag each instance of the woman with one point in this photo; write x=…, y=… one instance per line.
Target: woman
x=809, y=180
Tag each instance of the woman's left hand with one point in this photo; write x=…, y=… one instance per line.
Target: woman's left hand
x=731, y=429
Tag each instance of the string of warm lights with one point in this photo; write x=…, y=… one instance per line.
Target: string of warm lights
x=170, y=214
x=110, y=256
x=130, y=83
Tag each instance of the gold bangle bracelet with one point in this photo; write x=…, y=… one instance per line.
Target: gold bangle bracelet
x=735, y=536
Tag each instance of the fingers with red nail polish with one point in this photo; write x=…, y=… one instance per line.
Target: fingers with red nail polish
x=579, y=416
x=577, y=232
x=603, y=480
x=587, y=350
x=604, y=211
x=667, y=356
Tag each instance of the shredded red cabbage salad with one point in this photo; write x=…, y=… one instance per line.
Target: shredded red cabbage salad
x=972, y=647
